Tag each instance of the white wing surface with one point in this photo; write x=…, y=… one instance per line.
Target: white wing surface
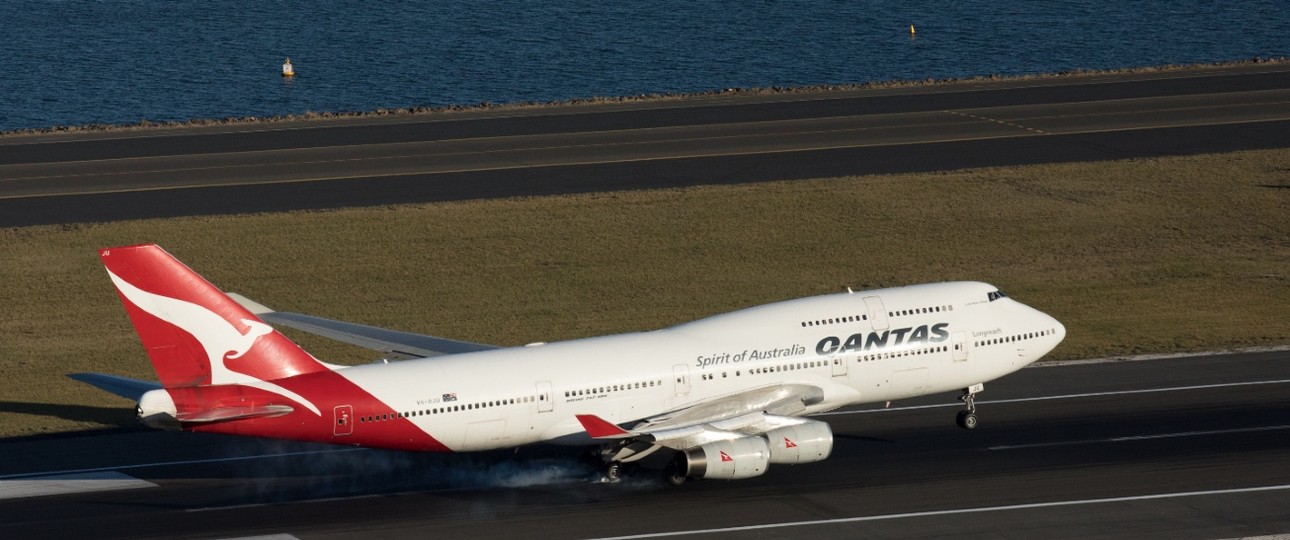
x=751, y=412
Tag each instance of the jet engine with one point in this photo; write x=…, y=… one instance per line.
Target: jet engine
x=801, y=443
x=731, y=459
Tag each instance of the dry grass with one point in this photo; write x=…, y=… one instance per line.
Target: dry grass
x=1154, y=255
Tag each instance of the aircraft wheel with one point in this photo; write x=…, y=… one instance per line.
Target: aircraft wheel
x=966, y=420
x=613, y=472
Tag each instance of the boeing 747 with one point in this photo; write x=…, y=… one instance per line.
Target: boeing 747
x=721, y=397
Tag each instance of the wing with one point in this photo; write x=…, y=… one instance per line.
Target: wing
x=723, y=418
x=391, y=342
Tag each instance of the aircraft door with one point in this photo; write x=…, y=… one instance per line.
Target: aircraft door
x=681, y=374
x=840, y=361
x=877, y=313
x=544, y=403
x=959, y=346
x=343, y=420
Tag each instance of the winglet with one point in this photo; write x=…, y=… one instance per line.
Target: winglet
x=599, y=428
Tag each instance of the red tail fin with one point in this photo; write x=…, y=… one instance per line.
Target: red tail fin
x=194, y=334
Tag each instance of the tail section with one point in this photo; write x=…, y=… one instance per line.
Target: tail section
x=223, y=370
x=194, y=334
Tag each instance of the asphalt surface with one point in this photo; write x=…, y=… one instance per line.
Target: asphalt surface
x=91, y=177
x=1178, y=448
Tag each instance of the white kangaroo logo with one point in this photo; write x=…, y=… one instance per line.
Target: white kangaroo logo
x=220, y=339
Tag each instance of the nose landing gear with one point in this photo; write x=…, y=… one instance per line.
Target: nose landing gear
x=966, y=418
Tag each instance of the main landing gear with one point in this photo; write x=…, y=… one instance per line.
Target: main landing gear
x=616, y=461
x=674, y=472
x=966, y=418
x=613, y=472
x=607, y=470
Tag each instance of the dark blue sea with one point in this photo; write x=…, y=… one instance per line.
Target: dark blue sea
x=124, y=61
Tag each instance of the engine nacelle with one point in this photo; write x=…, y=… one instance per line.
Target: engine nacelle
x=732, y=459
x=156, y=409
x=802, y=443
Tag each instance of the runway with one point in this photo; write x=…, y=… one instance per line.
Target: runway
x=1179, y=448
x=109, y=176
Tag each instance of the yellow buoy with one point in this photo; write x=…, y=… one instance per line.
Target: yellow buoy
x=911, y=30
x=287, y=69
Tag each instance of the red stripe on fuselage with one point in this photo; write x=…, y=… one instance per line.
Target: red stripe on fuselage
x=327, y=390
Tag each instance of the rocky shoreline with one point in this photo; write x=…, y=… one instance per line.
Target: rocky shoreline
x=640, y=98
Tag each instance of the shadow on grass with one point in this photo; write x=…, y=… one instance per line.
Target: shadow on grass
x=108, y=416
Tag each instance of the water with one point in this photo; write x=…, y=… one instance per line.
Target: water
x=123, y=61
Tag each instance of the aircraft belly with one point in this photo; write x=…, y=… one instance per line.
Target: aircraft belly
x=485, y=435
x=910, y=382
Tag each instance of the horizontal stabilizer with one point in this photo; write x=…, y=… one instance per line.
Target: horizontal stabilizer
x=131, y=389
x=404, y=344
x=233, y=413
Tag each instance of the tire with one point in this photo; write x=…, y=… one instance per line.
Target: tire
x=969, y=421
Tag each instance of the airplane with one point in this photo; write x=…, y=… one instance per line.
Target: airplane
x=722, y=397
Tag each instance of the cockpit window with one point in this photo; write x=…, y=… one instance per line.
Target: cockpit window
x=995, y=295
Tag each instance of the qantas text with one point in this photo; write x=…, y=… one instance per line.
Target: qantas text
x=935, y=333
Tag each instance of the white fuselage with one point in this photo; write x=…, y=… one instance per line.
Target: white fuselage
x=861, y=347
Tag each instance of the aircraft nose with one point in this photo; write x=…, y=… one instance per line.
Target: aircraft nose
x=1061, y=329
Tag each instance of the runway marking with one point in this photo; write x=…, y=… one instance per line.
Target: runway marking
x=417, y=148
x=997, y=121
x=601, y=133
x=957, y=511
x=60, y=484
x=455, y=170
x=1065, y=396
x=181, y=462
x=1140, y=437
x=260, y=505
